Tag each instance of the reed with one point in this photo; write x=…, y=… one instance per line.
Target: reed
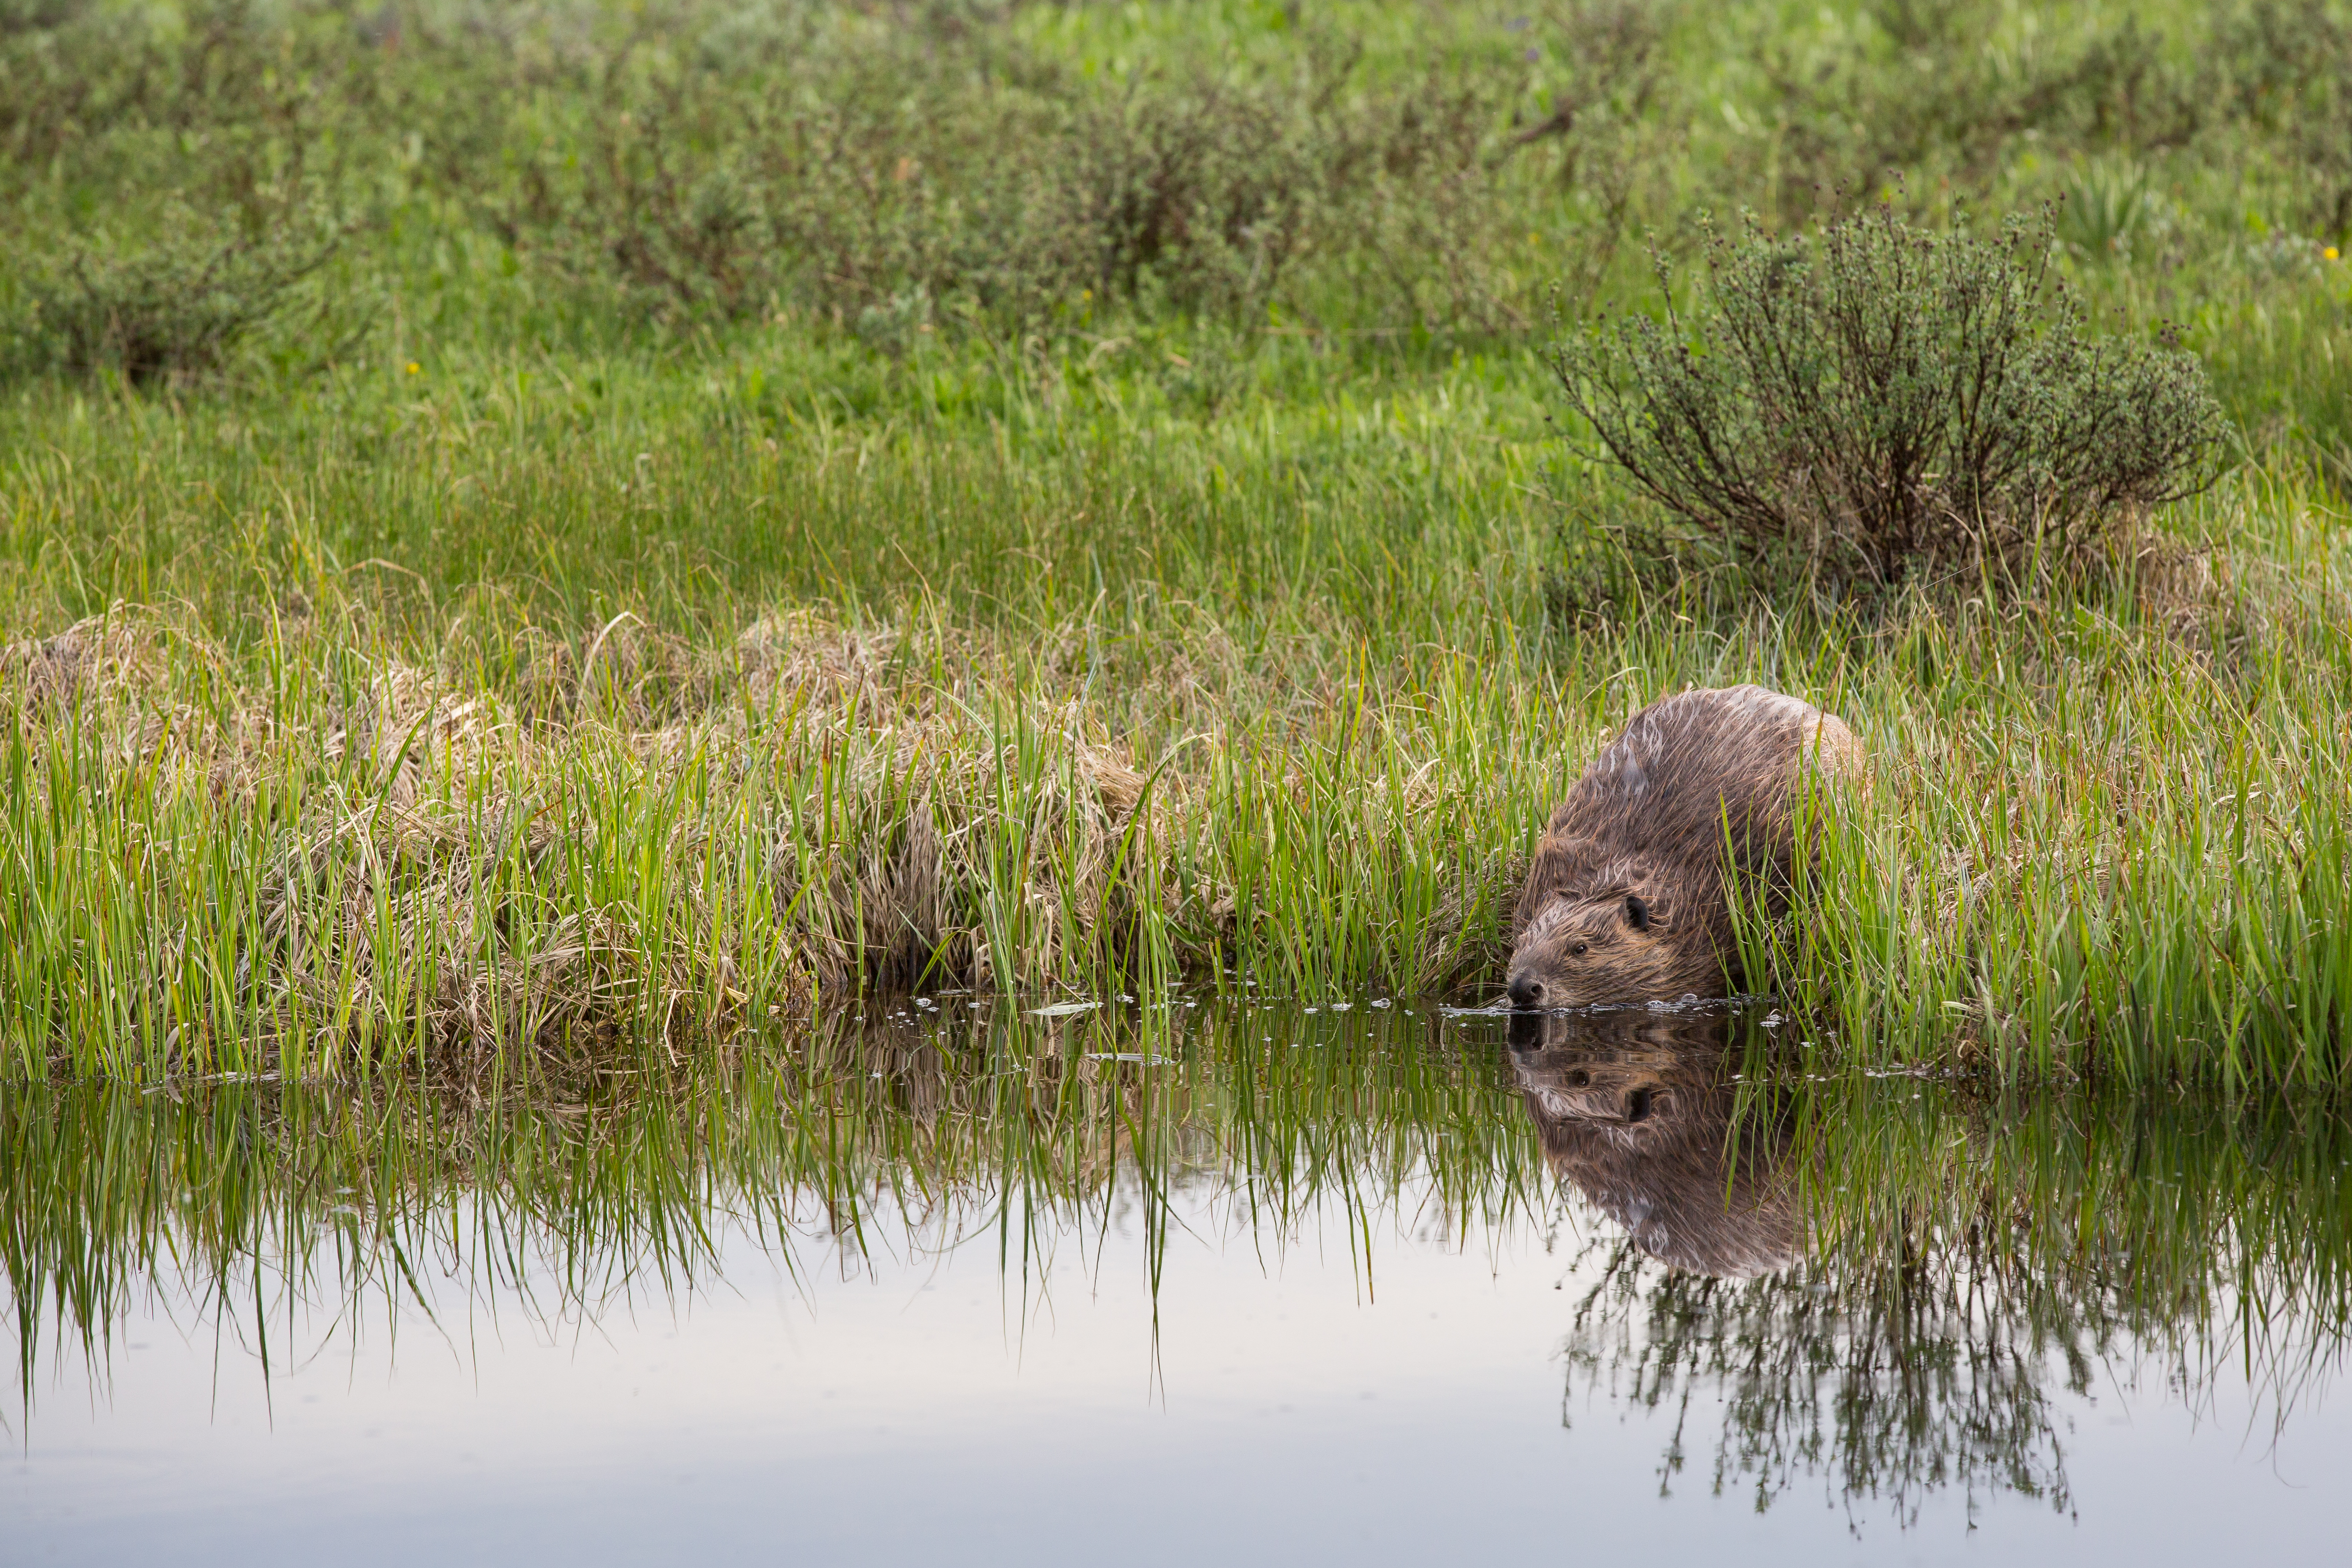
x=2134, y=871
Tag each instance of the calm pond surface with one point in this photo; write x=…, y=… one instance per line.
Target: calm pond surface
x=1175, y=1283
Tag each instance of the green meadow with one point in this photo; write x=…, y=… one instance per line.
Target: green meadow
x=541, y=537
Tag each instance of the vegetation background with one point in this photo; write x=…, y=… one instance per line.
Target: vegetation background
x=534, y=531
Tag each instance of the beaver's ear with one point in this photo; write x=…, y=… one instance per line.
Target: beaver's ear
x=1637, y=911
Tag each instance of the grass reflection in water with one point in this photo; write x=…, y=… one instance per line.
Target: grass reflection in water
x=1891, y=1286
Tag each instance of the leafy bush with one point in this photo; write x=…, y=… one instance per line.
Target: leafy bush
x=591, y=165
x=168, y=181
x=34, y=15
x=1877, y=400
x=170, y=310
x=850, y=169
x=1930, y=87
x=2286, y=70
x=855, y=183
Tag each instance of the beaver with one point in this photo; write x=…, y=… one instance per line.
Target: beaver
x=1626, y=900
x=1635, y=1110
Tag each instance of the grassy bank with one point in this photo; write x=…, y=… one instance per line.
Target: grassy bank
x=386, y=823
x=489, y=654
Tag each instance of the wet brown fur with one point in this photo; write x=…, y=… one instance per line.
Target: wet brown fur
x=1627, y=900
x=1635, y=1111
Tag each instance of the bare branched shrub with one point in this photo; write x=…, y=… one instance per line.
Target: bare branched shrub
x=1881, y=400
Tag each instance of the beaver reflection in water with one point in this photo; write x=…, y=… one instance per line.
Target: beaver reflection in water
x=1635, y=1110
x=1628, y=898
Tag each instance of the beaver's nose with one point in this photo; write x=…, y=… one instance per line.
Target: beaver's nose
x=1527, y=991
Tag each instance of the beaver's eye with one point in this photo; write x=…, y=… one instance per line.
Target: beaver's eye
x=1578, y=951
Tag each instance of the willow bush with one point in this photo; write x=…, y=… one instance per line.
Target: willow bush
x=1877, y=401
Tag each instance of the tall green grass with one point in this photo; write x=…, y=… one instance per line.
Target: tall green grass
x=2091, y=848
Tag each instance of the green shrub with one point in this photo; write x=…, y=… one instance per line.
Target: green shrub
x=583, y=166
x=168, y=311
x=169, y=180
x=851, y=170
x=2285, y=73
x=962, y=169
x=36, y=15
x=1877, y=400
x=1933, y=89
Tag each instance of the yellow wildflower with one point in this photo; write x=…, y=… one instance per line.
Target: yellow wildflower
x=413, y=367
x=2329, y=253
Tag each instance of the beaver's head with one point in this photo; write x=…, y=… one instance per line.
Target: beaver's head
x=1578, y=951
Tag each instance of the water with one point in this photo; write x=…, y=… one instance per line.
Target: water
x=1174, y=1284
